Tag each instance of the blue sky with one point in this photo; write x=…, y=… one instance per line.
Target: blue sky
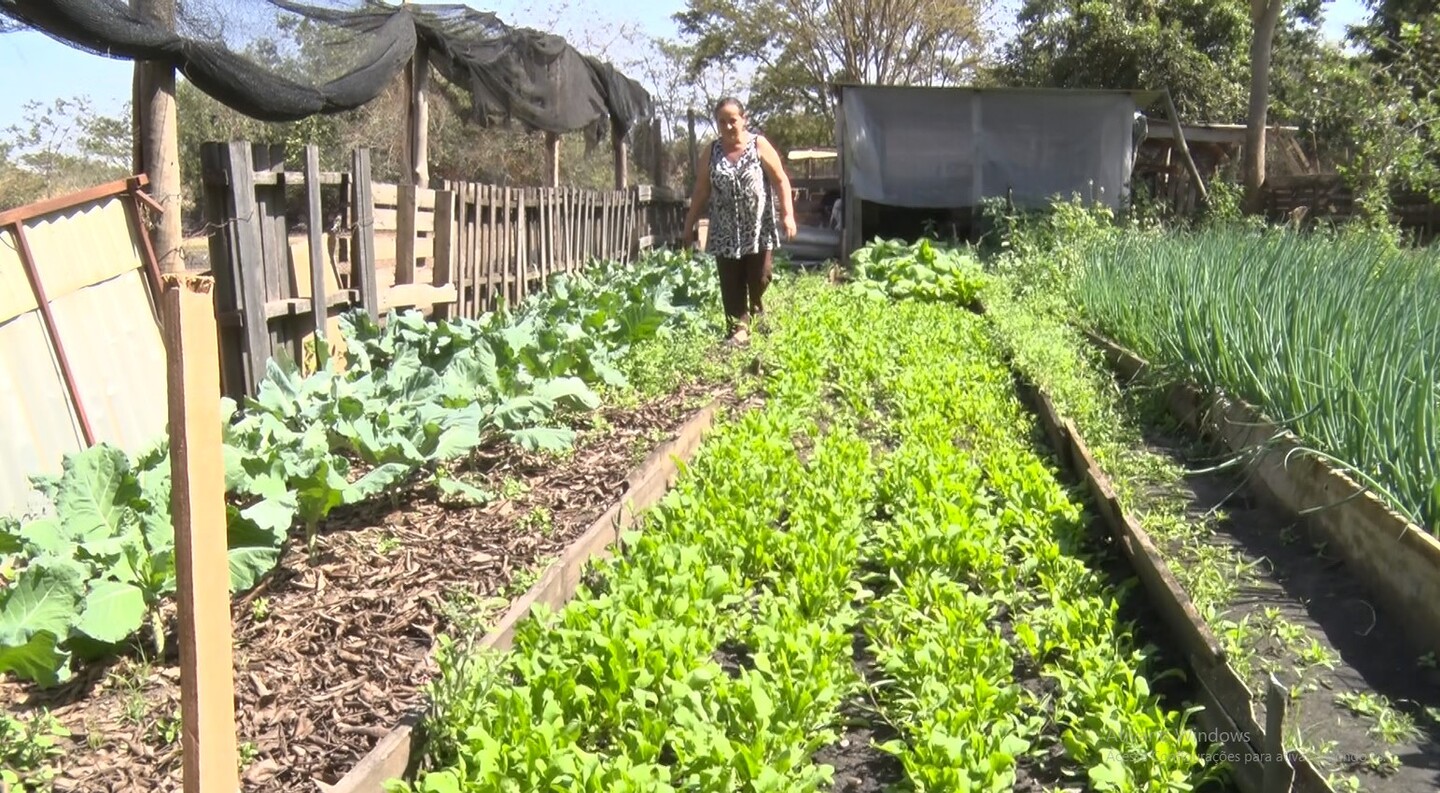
x=43, y=69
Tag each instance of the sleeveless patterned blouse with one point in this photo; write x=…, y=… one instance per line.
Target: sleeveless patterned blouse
x=742, y=204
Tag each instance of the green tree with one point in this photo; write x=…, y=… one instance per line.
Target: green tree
x=61, y=148
x=1387, y=17
x=1392, y=111
x=798, y=48
x=1195, y=48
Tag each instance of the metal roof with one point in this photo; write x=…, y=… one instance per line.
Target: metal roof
x=1144, y=97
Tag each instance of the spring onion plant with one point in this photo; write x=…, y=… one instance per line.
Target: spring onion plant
x=1338, y=338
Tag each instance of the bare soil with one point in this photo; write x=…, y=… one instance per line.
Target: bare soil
x=1293, y=576
x=332, y=651
x=861, y=767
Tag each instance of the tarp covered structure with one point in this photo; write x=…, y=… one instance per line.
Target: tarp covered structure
x=279, y=60
x=924, y=147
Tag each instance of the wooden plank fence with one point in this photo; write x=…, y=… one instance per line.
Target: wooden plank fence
x=456, y=250
x=510, y=241
x=1312, y=197
x=266, y=295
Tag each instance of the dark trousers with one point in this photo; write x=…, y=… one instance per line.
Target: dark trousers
x=742, y=285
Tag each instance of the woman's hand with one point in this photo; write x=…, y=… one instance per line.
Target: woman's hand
x=775, y=169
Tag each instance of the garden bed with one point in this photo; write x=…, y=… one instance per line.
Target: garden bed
x=1337, y=588
x=1397, y=561
x=557, y=581
x=1277, y=601
x=886, y=490
x=349, y=539
x=334, y=649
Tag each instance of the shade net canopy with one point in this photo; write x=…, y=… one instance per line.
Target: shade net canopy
x=278, y=60
x=952, y=147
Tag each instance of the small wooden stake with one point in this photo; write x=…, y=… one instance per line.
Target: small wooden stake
x=1279, y=774
x=202, y=567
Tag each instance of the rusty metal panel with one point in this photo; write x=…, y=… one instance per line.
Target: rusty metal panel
x=81, y=246
x=118, y=358
x=88, y=260
x=37, y=424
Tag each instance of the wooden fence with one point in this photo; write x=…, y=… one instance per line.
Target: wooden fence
x=453, y=251
x=511, y=240
x=1315, y=197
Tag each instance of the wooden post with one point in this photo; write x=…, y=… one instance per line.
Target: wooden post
x=622, y=160
x=661, y=176
x=202, y=567
x=362, y=249
x=552, y=160
x=849, y=204
x=442, y=266
x=157, y=139
x=269, y=159
x=407, y=207
x=247, y=265
x=1185, y=149
x=417, y=128
x=214, y=161
x=319, y=307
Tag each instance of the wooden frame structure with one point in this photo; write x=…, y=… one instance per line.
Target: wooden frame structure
x=453, y=252
x=264, y=302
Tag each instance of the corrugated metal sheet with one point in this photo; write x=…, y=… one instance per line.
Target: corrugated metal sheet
x=90, y=267
x=15, y=295
x=118, y=359
x=82, y=246
x=37, y=424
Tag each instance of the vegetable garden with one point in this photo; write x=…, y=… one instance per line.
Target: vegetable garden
x=1324, y=335
x=879, y=543
x=874, y=574
x=442, y=462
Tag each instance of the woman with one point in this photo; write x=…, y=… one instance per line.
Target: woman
x=732, y=181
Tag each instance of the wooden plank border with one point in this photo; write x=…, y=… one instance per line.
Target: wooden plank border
x=1256, y=755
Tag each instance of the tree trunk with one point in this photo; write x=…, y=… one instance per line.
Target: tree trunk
x=158, y=143
x=1265, y=14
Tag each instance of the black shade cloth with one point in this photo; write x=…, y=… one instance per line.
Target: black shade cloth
x=278, y=60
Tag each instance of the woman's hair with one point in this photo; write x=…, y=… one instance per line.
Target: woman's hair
x=726, y=102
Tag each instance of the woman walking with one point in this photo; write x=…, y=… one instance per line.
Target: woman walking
x=739, y=184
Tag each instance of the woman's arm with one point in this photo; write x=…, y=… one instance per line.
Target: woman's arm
x=770, y=159
x=699, y=198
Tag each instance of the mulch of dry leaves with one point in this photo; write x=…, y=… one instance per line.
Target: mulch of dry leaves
x=332, y=651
